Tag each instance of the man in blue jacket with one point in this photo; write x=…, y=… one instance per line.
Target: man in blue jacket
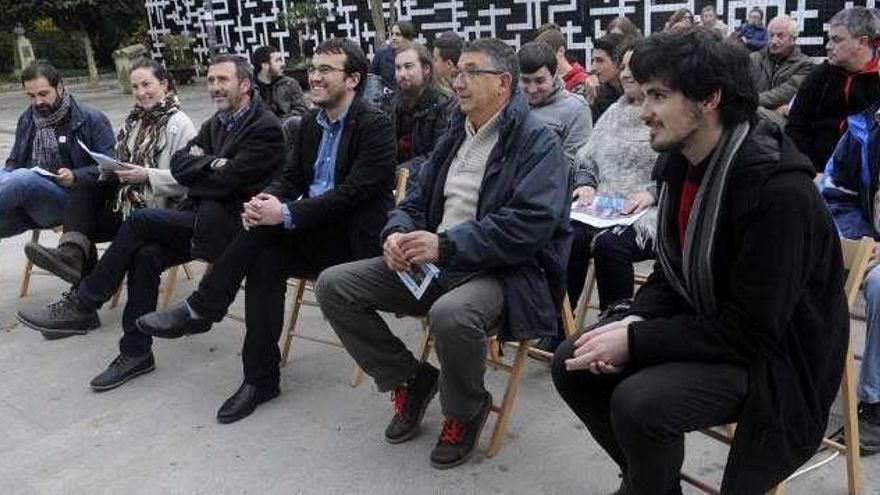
x=46, y=158
x=491, y=211
x=850, y=186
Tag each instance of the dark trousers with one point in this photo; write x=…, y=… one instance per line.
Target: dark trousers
x=613, y=255
x=147, y=243
x=461, y=308
x=89, y=209
x=639, y=417
x=266, y=257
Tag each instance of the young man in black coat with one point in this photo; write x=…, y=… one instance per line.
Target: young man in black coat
x=491, y=211
x=235, y=154
x=327, y=208
x=744, y=318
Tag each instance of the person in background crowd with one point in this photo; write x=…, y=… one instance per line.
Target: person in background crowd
x=606, y=68
x=419, y=111
x=573, y=74
x=46, y=159
x=844, y=84
x=279, y=94
x=567, y=114
x=383, y=61
x=680, y=19
x=850, y=186
x=729, y=327
x=709, y=20
x=235, y=154
x=752, y=33
x=779, y=69
x=624, y=27
x=154, y=130
x=445, y=54
x=492, y=215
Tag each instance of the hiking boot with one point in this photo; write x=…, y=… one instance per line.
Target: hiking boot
x=458, y=439
x=67, y=261
x=121, y=370
x=410, y=401
x=869, y=428
x=66, y=316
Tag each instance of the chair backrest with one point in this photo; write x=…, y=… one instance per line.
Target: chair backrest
x=856, y=255
x=400, y=180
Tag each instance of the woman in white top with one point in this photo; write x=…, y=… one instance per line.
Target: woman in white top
x=98, y=203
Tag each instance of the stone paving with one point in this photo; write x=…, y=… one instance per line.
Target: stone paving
x=157, y=434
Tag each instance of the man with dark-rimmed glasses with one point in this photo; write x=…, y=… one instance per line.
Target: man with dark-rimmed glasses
x=327, y=207
x=491, y=211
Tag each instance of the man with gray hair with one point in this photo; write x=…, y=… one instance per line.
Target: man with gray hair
x=492, y=214
x=846, y=83
x=779, y=69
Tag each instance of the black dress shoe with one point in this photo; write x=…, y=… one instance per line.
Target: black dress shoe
x=121, y=370
x=66, y=316
x=172, y=323
x=244, y=401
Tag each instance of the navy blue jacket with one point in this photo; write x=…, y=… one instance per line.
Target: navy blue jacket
x=850, y=181
x=87, y=124
x=521, y=234
x=383, y=66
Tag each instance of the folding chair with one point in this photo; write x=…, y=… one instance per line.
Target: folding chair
x=856, y=255
x=29, y=268
x=305, y=284
x=585, y=303
x=516, y=366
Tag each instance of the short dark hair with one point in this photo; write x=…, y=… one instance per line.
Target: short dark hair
x=448, y=45
x=407, y=29
x=501, y=54
x=262, y=55
x=37, y=70
x=709, y=8
x=610, y=44
x=534, y=55
x=159, y=71
x=697, y=63
x=243, y=69
x=355, y=59
x=553, y=37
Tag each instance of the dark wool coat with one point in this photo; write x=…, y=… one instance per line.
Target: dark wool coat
x=782, y=313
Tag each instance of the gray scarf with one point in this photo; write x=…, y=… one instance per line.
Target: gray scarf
x=44, y=152
x=694, y=281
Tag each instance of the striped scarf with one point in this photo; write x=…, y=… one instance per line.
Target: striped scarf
x=148, y=145
x=44, y=152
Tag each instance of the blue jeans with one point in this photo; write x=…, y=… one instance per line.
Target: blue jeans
x=29, y=200
x=869, y=375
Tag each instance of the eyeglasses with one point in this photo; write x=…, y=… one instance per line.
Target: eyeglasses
x=323, y=70
x=470, y=74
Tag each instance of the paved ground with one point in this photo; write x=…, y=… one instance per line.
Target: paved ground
x=157, y=434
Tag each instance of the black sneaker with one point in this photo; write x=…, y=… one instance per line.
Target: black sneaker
x=66, y=316
x=458, y=439
x=869, y=428
x=121, y=370
x=410, y=402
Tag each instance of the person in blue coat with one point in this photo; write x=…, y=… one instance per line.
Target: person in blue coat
x=753, y=33
x=46, y=157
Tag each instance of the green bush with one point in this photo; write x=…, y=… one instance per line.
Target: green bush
x=59, y=49
x=7, y=59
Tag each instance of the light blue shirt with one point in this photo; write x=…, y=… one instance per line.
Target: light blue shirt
x=325, y=163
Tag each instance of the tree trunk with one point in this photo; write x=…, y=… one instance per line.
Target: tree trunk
x=378, y=22
x=90, y=55
x=392, y=4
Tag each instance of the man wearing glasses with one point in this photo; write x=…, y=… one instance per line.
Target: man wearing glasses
x=491, y=212
x=327, y=208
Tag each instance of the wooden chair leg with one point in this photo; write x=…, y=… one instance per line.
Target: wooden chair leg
x=357, y=376
x=168, y=289
x=187, y=271
x=28, y=269
x=583, y=303
x=519, y=363
x=115, y=301
x=851, y=424
x=287, y=337
x=425, y=346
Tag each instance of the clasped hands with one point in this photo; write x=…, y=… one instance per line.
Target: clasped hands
x=604, y=350
x=401, y=251
x=262, y=209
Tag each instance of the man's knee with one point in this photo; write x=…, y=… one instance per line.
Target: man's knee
x=637, y=412
x=17, y=180
x=872, y=286
x=451, y=318
x=334, y=283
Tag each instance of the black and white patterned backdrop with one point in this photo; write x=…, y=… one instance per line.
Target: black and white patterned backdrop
x=242, y=25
